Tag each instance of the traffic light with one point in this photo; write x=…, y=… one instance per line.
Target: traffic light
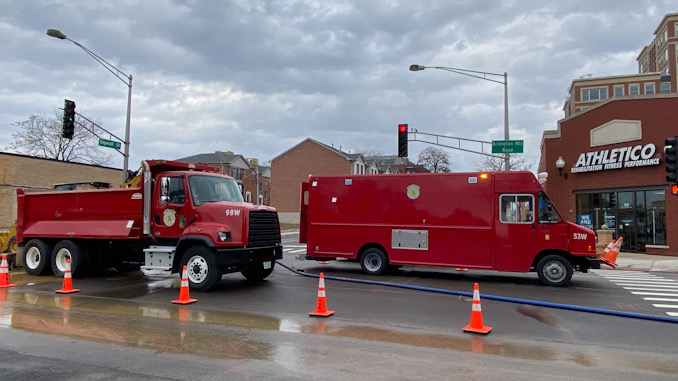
x=671, y=160
x=68, y=127
x=402, y=140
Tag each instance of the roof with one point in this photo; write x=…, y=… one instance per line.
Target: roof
x=217, y=157
x=347, y=156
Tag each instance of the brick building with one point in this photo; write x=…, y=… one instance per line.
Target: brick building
x=254, y=179
x=20, y=171
x=609, y=148
x=292, y=167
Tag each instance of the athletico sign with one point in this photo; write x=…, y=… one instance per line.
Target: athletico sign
x=617, y=158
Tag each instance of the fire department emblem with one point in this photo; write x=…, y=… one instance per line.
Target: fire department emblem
x=169, y=216
x=413, y=191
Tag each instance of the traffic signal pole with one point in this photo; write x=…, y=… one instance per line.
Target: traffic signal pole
x=671, y=152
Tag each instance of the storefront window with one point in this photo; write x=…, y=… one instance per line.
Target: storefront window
x=638, y=216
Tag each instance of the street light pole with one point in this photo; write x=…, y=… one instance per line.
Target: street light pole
x=484, y=76
x=120, y=75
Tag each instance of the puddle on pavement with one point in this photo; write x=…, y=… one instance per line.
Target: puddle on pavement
x=172, y=328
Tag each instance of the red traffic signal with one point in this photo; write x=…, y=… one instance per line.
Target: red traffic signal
x=674, y=189
x=402, y=140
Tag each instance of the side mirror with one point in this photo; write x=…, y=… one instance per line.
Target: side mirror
x=164, y=190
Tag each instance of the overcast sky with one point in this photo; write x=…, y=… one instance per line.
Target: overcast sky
x=258, y=77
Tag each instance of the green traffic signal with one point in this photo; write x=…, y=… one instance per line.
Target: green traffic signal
x=68, y=127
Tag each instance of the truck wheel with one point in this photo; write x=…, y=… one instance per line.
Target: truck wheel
x=201, y=265
x=374, y=262
x=256, y=272
x=12, y=245
x=69, y=249
x=554, y=270
x=36, y=257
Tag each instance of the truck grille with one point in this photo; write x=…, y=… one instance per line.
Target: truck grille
x=264, y=229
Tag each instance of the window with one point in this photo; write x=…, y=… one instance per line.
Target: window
x=213, y=189
x=665, y=87
x=634, y=89
x=517, y=208
x=594, y=94
x=649, y=88
x=619, y=90
x=547, y=213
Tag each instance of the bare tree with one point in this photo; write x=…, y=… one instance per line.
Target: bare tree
x=434, y=160
x=495, y=164
x=41, y=137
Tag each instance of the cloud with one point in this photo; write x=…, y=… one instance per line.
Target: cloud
x=257, y=77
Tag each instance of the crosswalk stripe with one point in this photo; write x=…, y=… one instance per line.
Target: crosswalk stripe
x=649, y=289
x=657, y=286
x=653, y=293
x=672, y=313
x=662, y=299
x=666, y=305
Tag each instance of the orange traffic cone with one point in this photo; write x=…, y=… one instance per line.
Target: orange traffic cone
x=67, y=286
x=183, y=293
x=321, y=307
x=476, y=315
x=610, y=256
x=4, y=273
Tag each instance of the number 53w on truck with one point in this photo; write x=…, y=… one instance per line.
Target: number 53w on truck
x=490, y=221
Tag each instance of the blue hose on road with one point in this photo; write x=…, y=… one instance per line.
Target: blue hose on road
x=569, y=307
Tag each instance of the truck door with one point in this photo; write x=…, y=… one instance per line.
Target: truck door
x=170, y=209
x=303, y=218
x=515, y=232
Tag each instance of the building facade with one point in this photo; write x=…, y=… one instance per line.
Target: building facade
x=613, y=170
x=660, y=56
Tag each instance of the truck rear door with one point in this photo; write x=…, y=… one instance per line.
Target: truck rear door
x=515, y=232
x=303, y=218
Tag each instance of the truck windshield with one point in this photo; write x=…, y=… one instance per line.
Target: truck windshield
x=547, y=213
x=206, y=189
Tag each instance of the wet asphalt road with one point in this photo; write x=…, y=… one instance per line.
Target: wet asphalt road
x=124, y=327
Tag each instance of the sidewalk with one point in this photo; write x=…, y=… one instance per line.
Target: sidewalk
x=644, y=262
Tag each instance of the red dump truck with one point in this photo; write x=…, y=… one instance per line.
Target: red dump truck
x=172, y=214
x=491, y=221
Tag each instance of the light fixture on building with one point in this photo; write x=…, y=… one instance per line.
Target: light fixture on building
x=560, y=164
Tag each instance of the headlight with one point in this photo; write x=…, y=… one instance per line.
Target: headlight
x=224, y=236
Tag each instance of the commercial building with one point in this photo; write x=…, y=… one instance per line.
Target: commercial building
x=605, y=161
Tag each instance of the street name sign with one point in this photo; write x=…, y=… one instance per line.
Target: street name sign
x=117, y=145
x=507, y=146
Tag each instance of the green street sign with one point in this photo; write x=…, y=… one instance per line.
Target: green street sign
x=112, y=144
x=507, y=146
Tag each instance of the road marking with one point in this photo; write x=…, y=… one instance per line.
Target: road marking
x=653, y=293
x=662, y=299
x=646, y=285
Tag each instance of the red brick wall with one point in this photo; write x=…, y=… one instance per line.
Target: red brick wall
x=289, y=170
x=659, y=120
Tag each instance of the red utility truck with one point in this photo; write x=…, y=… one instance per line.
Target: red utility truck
x=491, y=221
x=172, y=214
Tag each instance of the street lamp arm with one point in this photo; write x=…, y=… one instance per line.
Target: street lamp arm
x=128, y=78
x=468, y=73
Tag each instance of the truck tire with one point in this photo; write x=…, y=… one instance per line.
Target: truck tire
x=374, y=261
x=37, y=257
x=256, y=271
x=12, y=245
x=201, y=265
x=554, y=270
x=69, y=249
